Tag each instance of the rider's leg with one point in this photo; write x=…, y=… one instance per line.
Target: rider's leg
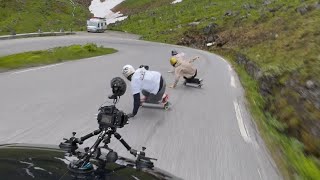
x=187, y=80
x=193, y=79
x=157, y=97
x=146, y=95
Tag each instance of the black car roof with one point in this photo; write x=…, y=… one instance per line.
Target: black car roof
x=30, y=161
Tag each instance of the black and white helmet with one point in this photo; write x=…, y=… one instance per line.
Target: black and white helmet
x=127, y=70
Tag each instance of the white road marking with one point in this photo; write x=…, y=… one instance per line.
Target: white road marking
x=229, y=68
x=34, y=69
x=242, y=127
x=233, y=82
x=260, y=174
x=223, y=60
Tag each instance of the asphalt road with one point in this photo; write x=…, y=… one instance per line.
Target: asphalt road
x=207, y=134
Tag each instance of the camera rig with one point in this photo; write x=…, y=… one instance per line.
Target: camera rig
x=109, y=119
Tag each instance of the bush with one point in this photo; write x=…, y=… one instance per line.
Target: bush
x=91, y=47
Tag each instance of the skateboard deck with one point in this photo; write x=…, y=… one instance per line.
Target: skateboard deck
x=164, y=104
x=193, y=84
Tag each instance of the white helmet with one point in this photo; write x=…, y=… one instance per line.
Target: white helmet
x=127, y=70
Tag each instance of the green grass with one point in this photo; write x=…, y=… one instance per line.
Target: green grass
x=157, y=26
x=139, y=6
x=297, y=43
x=51, y=15
x=55, y=55
x=283, y=43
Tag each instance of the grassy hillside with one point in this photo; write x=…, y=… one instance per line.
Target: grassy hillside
x=22, y=16
x=129, y=7
x=274, y=45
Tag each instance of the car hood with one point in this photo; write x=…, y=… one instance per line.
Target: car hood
x=25, y=161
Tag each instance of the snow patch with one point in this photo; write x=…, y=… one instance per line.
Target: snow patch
x=103, y=9
x=176, y=1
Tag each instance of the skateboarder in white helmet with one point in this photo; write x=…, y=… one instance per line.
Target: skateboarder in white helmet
x=150, y=83
x=184, y=69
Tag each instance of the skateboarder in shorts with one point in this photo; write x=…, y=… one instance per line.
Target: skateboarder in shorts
x=150, y=83
x=184, y=69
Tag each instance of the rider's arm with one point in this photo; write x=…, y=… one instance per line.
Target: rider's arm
x=192, y=60
x=136, y=103
x=178, y=74
x=176, y=80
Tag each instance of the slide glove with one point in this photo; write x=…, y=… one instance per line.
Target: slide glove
x=130, y=115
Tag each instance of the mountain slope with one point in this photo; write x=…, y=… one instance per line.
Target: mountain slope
x=21, y=16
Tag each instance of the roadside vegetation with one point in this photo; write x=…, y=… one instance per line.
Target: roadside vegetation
x=51, y=56
x=21, y=16
x=273, y=44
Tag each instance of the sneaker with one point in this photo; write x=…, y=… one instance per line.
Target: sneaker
x=143, y=99
x=165, y=98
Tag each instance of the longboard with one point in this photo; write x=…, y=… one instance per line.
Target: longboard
x=165, y=104
x=193, y=84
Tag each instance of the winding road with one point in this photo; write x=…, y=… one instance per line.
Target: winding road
x=208, y=134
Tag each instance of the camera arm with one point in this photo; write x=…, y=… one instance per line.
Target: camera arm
x=123, y=142
x=83, y=163
x=127, y=146
x=83, y=138
x=142, y=161
x=84, y=160
x=70, y=145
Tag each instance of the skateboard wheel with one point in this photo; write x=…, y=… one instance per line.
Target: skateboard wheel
x=166, y=106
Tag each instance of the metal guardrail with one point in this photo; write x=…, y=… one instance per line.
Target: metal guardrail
x=41, y=34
